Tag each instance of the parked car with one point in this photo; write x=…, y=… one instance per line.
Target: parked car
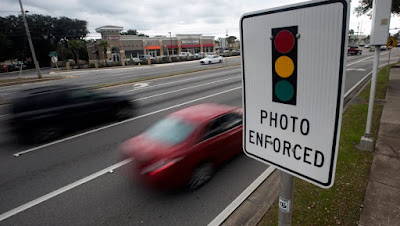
x=135, y=60
x=383, y=48
x=146, y=56
x=210, y=59
x=186, y=55
x=45, y=113
x=354, y=50
x=200, y=55
x=367, y=46
x=236, y=52
x=185, y=147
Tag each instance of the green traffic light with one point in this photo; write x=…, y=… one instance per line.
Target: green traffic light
x=284, y=90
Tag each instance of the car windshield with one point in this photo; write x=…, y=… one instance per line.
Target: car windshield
x=209, y=56
x=170, y=130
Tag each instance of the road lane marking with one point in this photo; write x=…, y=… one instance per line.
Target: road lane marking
x=178, y=90
x=139, y=85
x=59, y=191
x=4, y=115
x=355, y=69
x=241, y=198
x=362, y=80
x=364, y=59
x=122, y=122
x=184, y=80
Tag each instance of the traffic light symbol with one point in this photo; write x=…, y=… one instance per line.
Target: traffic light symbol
x=284, y=65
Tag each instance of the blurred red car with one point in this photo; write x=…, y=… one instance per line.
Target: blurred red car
x=185, y=147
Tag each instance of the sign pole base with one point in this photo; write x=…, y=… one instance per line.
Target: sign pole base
x=286, y=199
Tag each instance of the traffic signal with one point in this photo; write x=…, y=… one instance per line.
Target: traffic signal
x=284, y=65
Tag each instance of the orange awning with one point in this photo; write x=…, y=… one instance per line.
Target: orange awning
x=153, y=47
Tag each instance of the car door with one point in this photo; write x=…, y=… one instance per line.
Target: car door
x=83, y=105
x=220, y=139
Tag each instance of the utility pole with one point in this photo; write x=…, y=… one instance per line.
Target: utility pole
x=28, y=34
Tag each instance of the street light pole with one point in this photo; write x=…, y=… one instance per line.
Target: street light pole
x=28, y=34
x=170, y=39
x=172, y=49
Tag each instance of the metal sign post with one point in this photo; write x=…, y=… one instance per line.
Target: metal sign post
x=379, y=36
x=286, y=191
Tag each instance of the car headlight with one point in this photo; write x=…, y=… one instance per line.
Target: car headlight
x=160, y=166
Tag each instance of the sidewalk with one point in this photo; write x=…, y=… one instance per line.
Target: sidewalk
x=382, y=198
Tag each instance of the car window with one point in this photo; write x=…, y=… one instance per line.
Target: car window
x=222, y=124
x=80, y=95
x=170, y=130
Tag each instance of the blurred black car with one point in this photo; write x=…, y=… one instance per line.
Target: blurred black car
x=45, y=113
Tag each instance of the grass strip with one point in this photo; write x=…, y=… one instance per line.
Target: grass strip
x=342, y=203
x=18, y=81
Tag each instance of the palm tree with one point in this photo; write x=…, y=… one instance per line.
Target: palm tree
x=75, y=46
x=104, y=44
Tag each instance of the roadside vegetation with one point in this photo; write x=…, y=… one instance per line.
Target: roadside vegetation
x=341, y=204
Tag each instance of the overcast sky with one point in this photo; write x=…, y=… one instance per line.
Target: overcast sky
x=158, y=17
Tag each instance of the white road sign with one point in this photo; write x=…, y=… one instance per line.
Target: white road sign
x=293, y=64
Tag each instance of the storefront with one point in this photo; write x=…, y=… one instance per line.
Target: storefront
x=122, y=47
x=153, y=50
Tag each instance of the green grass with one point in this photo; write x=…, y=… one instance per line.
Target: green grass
x=342, y=203
x=22, y=80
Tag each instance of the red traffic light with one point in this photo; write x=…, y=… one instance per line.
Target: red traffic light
x=284, y=41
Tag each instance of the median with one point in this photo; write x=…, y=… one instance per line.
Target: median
x=342, y=203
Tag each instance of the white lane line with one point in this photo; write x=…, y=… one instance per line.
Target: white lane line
x=360, y=61
x=191, y=87
x=364, y=59
x=240, y=199
x=59, y=191
x=362, y=80
x=122, y=122
x=184, y=80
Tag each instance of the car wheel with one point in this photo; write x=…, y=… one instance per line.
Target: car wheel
x=220, y=61
x=123, y=113
x=209, y=62
x=201, y=175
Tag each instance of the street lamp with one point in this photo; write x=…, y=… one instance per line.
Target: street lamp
x=170, y=39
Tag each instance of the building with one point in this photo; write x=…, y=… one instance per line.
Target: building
x=129, y=46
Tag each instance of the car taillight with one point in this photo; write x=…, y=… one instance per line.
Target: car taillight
x=160, y=166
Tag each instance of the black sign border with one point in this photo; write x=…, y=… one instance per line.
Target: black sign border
x=330, y=181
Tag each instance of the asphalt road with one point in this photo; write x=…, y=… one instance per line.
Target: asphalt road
x=68, y=175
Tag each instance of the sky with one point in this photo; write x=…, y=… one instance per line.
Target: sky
x=158, y=17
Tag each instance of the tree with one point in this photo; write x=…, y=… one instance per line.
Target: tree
x=129, y=32
x=103, y=44
x=46, y=32
x=366, y=5
x=75, y=46
x=144, y=35
x=231, y=39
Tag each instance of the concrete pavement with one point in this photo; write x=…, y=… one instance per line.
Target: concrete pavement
x=382, y=198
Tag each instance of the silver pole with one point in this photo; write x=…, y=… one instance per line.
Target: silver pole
x=387, y=68
x=372, y=91
x=286, y=199
x=28, y=34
